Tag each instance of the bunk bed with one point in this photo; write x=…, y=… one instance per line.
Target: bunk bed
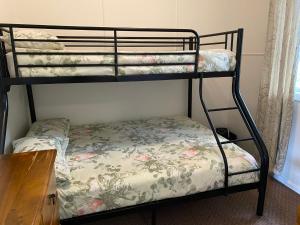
x=108, y=54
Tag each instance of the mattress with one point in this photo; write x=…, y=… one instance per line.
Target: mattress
x=209, y=61
x=126, y=163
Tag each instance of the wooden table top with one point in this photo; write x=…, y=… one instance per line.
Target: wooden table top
x=24, y=179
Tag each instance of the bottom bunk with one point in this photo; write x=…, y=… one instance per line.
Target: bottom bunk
x=118, y=164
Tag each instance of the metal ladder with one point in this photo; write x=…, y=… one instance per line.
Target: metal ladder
x=220, y=144
x=246, y=117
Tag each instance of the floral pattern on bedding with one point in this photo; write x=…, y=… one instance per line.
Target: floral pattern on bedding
x=119, y=164
x=209, y=61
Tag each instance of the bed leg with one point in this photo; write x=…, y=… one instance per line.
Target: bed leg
x=153, y=216
x=261, y=200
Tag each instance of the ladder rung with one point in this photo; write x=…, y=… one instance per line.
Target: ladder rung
x=222, y=109
x=242, y=172
x=237, y=140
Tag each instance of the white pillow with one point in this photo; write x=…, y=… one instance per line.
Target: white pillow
x=29, y=144
x=57, y=128
x=32, y=34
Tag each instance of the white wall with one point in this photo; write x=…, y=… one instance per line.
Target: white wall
x=18, y=117
x=130, y=100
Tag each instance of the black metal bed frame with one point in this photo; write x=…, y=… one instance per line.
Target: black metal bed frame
x=191, y=41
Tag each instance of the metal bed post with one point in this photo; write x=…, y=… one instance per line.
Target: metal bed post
x=264, y=157
x=190, y=84
x=3, y=97
x=31, y=103
x=116, y=53
x=3, y=117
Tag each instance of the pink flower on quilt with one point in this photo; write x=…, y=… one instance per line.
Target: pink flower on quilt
x=190, y=153
x=143, y=158
x=163, y=130
x=84, y=156
x=88, y=131
x=201, y=58
x=95, y=204
x=81, y=211
x=190, y=67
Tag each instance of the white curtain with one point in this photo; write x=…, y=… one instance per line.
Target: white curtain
x=275, y=105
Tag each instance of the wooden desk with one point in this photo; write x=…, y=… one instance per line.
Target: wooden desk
x=28, y=189
x=298, y=216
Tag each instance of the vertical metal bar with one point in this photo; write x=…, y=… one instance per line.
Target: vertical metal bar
x=3, y=62
x=31, y=103
x=191, y=43
x=3, y=119
x=197, y=46
x=190, y=97
x=226, y=40
x=249, y=122
x=215, y=134
x=183, y=44
x=13, y=49
x=190, y=85
x=116, y=52
x=239, y=45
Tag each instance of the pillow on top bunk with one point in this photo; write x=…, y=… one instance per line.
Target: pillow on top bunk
x=32, y=34
x=29, y=144
x=53, y=128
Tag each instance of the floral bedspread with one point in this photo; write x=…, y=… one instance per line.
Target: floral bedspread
x=209, y=61
x=126, y=163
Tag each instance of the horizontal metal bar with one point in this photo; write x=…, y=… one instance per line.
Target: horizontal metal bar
x=122, y=78
x=158, y=53
x=90, y=79
x=66, y=65
x=242, y=172
x=221, y=109
x=213, y=43
x=106, y=53
x=120, y=37
x=124, y=45
x=98, y=41
x=102, y=65
x=217, y=34
x=237, y=140
x=65, y=53
x=123, y=42
x=217, y=74
x=157, y=64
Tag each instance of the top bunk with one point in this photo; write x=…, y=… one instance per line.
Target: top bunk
x=44, y=54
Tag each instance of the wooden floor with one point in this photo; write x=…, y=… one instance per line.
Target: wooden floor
x=237, y=209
